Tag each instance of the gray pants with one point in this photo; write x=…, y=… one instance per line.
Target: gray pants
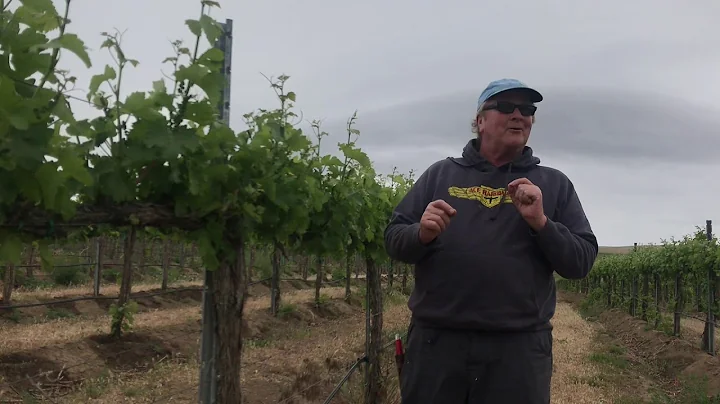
x=468, y=367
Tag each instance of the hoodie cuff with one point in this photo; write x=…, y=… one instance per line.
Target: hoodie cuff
x=416, y=247
x=549, y=225
x=549, y=234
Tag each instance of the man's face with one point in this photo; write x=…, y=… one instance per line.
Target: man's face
x=506, y=130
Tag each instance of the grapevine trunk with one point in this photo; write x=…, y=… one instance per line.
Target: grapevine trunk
x=126, y=284
x=373, y=389
x=8, y=284
x=275, y=282
x=229, y=291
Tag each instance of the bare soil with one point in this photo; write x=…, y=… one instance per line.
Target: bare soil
x=181, y=294
x=663, y=364
x=301, y=356
x=59, y=357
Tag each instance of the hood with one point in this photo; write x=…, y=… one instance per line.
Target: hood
x=471, y=157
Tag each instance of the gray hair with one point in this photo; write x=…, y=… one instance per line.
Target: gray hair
x=480, y=112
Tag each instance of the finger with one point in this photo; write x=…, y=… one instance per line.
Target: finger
x=441, y=204
x=519, y=181
x=444, y=207
x=433, y=212
x=527, y=198
x=529, y=190
x=520, y=197
x=433, y=223
x=431, y=226
x=515, y=191
x=442, y=222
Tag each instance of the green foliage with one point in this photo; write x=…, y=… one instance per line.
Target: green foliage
x=122, y=318
x=70, y=275
x=692, y=256
x=166, y=147
x=338, y=273
x=622, y=279
x=111, y=275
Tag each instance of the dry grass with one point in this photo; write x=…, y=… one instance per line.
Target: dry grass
x=62, y=292
x=34, y=336
x=18, y=337
x=573, y=380
x=303, y=366
x=169, y=382
x=267, y=371
x=294, y=297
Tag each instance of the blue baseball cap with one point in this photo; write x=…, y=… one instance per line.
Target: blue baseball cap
x=498, y=86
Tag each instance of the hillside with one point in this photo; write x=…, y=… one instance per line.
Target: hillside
x=615, y=249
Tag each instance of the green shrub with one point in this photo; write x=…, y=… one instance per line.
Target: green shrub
x=338, y=273
x=111, y=275
x=72, y=275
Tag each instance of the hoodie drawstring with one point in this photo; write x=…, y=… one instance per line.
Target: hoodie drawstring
x=496, y=212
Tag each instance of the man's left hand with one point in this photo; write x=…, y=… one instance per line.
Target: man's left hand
x=527, y=198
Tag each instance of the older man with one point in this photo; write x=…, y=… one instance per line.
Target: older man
x=485, y=232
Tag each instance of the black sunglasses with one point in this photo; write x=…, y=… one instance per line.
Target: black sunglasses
x=507, y=107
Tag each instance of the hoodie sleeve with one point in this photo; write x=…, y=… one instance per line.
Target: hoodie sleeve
x=568, y=241
x=402, y=234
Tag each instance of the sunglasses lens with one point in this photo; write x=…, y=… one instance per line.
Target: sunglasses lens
x=505, y=107
x=508, y=108
x=527, y=110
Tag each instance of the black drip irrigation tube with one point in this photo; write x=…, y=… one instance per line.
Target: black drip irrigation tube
x=352, y=369
x=345, y=379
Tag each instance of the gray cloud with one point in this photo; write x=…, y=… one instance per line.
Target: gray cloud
x=630, y=85
x=642, y=164
x=594, y=124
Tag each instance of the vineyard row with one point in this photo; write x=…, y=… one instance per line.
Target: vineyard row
x=95, y=260
x=166, y=161
x=655, y=279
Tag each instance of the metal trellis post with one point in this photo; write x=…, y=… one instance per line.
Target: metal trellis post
x=711, y=298
x=208, y=372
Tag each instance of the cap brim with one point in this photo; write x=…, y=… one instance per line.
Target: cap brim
x=535, y=95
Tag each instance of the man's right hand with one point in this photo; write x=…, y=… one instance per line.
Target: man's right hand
x=435, y=219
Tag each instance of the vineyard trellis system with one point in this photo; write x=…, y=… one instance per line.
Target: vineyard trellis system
x=90, y=258
x=654, y=279
x=166, y=161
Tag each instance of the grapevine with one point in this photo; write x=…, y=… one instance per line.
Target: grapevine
x=654, y=279
x=159, y=162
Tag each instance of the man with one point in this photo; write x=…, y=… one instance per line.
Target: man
x=485, y=233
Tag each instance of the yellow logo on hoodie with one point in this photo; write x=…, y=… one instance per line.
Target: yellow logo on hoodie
x=489, y=197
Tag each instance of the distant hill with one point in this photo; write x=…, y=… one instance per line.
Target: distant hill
x=622, y=249
x=615, y=250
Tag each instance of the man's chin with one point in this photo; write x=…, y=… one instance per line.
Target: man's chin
x=516, y=139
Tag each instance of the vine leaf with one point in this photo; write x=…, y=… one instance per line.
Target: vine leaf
x=194, y=26
x=49, y=180
x=43, y=6
x=70, y=42
x=97, y=80
x=10, y=248
x=74, y=167
x=212, y=29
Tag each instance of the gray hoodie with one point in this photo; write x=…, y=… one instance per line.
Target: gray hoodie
x=489, y=270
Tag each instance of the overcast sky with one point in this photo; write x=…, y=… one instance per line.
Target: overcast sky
x=630, y=87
